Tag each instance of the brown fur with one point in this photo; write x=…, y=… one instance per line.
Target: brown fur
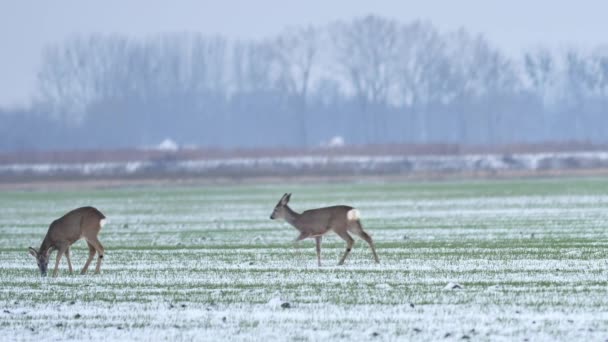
x=317, y=222
x=79, y=223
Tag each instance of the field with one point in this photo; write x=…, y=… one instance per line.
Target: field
x=207, y=263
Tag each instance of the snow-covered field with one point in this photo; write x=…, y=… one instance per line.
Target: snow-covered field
x=206, y=263
x=315, y=165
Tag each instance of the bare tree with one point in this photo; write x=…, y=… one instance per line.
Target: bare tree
x=254, y=68
x=69, y=76
x=540, y=67
x=371, y=79
x=367, y=52
x=425, y=74
x=296, y=52
x=483, y=74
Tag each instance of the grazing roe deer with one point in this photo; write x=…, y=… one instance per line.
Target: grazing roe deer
x=85, y=222
x=316, y=222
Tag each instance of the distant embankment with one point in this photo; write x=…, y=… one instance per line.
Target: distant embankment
x=314, y=165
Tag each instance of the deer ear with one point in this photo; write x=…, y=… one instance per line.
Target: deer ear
x=33, y=252
x=287, y=198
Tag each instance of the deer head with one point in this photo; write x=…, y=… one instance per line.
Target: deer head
x=42, y=259
x=280, y=211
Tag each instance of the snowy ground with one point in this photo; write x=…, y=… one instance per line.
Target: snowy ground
x=314, y=165
x=206, y=263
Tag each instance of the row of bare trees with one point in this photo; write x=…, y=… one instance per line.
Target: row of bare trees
x=370, y=80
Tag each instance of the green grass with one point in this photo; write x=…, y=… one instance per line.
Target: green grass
x=530, y=255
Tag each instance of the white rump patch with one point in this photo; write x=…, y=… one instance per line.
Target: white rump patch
x=102, y=222
x=353, y=215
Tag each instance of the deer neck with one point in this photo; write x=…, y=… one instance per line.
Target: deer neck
x=291, y=217
x=45, y=246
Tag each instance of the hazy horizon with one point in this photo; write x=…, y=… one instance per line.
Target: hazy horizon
x=28, y=26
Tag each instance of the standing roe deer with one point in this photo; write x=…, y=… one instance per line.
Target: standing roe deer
x=85, y=222
x=316, y=222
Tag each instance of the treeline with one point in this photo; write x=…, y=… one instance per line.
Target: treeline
x=371, y=80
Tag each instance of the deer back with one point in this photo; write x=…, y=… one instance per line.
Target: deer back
x=319, y=221
x=71, y=226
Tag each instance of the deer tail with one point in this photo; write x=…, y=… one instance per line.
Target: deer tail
x=353, y=215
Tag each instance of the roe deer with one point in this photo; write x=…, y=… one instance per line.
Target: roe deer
x=316, y=222
x=85, y=222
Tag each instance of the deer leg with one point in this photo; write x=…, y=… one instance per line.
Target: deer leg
x=60, y=252
x=318, y=241
x=67, y=255
x=99, y=248
x=302, y=236
x=91, y=256
x=349, y=244
x=358, y=230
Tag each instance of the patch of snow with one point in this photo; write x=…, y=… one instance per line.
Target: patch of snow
x=335, y=141
x=276, y=301
x=494, y=288
x=383, y=286
x=389, y=164
x=168, y=145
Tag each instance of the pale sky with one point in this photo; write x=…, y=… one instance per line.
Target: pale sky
x=27, y=26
